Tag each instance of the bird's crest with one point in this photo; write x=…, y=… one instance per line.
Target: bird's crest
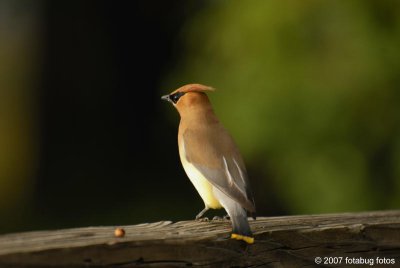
x=193, y=88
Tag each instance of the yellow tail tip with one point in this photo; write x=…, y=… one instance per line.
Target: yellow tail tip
x=247, y=239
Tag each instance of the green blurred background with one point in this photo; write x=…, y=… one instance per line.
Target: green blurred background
x=308, y=89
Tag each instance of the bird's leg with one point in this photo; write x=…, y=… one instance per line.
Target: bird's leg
x=202, y=213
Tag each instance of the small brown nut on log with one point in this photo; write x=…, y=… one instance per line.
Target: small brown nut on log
x=119, y=232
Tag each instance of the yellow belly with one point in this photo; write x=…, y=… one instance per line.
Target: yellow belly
x=202, y=185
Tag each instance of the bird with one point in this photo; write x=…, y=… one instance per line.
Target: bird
x=212, y=160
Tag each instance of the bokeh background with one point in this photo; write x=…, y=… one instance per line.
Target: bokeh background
x=310, y=90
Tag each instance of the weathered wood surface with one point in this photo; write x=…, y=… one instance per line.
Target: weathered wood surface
x=293, y=241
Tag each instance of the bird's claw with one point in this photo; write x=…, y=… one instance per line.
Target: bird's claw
x=202, y=219
x=217, y=218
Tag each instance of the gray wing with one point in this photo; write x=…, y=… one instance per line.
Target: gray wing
x=218, y=159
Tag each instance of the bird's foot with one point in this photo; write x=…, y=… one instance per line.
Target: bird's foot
x=202, y=219
x=217, y=218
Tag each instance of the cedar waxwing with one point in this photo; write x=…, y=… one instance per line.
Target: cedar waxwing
x=211, y=159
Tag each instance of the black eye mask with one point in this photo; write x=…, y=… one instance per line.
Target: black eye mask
x=175, y=97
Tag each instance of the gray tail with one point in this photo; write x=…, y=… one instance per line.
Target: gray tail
x=238, y=215
x=240, y=225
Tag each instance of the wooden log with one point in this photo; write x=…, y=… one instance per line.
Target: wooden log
x=292, y=241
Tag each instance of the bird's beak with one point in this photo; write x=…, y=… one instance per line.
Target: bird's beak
x=166, y=98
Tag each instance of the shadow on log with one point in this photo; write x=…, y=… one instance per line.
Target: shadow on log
x=292, y=241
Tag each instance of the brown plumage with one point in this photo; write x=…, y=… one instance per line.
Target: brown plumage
x=211, y=158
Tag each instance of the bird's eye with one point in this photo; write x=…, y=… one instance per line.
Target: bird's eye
x=175, y=97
